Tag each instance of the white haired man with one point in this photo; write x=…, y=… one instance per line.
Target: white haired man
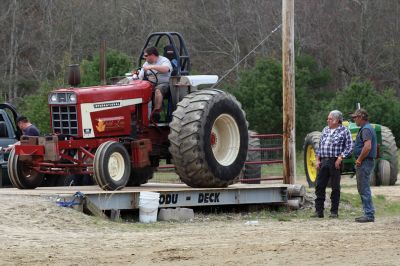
x=334, y=145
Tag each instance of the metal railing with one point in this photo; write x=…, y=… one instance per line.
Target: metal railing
x=268, y=157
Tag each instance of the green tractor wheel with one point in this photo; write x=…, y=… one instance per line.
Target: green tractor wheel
x=383, y=172
x=388, y=153
x=311, y=144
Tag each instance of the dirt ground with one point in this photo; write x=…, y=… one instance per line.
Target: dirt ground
x=34, y=231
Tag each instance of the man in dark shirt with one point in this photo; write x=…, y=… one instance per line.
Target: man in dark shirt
x=28, y=129
x=365, y=151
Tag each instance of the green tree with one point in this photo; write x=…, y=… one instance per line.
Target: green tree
x=118, y=64
x=383, y=106
x=35, y=106
x=260, y=92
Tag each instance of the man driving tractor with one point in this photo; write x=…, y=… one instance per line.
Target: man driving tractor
x=160, y=67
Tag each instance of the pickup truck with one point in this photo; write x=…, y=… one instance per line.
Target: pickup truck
x=9, y=134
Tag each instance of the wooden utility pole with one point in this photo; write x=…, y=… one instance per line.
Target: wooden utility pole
x=289, y=141
x=103, y=62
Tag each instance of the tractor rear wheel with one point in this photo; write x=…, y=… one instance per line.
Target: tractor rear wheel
x=140, y=176
x=111, y=166
x=252, y=171
x=21, y=173
x=208, y=139
x=389, y=153
x=311, y=144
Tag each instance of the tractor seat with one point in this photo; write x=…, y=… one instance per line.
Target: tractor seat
x=170, y=54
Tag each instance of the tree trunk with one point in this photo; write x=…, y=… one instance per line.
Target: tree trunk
x=11, y=76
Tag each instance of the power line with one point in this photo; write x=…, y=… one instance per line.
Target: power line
x=241, y=60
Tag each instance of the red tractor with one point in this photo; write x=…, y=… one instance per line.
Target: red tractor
x=105, y=131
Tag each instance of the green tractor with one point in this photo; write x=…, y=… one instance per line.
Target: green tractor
x=385, y=171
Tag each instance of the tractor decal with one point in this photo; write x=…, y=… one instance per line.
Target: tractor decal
x=103, y=105
x=101, y=126
x=90, y=110
x=108, y=124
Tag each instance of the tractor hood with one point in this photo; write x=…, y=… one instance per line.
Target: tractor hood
x=137, y=89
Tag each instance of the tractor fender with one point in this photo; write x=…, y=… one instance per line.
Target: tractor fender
x=197, y=80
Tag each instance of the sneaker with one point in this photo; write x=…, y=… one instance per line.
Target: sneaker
x=317, y=215
x=334, y=215
x=365, y=219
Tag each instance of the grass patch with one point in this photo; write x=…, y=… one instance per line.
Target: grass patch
x=281, y=213
x=351, y=205
x=350, y=199
x=386, y=207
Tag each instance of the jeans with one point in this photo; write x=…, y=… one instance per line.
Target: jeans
x=326, y=172
x=363, y=174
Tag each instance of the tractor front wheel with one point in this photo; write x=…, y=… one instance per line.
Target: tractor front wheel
x=311, y=144
x=112, y=166
x=21, y=173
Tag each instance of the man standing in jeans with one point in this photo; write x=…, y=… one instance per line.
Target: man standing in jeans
x=334, y=145
x=365, y=150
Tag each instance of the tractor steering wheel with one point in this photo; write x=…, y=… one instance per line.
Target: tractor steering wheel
x=151, y=77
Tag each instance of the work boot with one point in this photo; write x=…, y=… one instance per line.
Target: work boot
x=333, y=215
x=317, y=215
x=365, y=219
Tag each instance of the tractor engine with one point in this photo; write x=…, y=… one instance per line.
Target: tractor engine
x=95, y=112
x=83, y=121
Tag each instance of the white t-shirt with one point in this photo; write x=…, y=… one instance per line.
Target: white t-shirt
x=162, y=77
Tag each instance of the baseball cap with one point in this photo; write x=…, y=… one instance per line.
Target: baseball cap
x=360, y=113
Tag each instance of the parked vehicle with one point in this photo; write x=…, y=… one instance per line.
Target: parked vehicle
x=9, y=134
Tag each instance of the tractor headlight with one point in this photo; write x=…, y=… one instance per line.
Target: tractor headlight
x=72, y=98
x=53, y=98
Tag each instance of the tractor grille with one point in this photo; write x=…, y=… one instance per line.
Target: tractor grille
x=65, y=120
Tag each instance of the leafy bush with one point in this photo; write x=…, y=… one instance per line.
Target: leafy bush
x=118, y=64
x=35, y=107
